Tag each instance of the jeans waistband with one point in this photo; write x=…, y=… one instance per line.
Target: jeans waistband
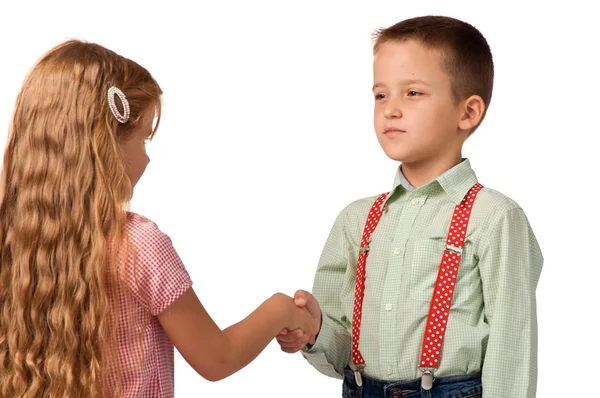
x=387, y=388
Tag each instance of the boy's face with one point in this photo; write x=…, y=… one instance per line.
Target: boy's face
x=416, y=117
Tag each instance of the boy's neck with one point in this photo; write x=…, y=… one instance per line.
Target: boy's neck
x=420, y=173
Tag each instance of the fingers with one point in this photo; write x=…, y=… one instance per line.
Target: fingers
x=300, y=342
x=290, y=335
x=293, y=350
x=307, y=302
x=290, y=345
x=302, y=298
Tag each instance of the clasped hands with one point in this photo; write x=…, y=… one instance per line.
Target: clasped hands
x=293, y=340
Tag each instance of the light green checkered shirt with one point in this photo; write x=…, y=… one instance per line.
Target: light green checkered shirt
x=492, y=326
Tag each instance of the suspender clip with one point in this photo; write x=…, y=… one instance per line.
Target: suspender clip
x=454, y=249
x=358, y=374
x=366, y=248
x=427, y=380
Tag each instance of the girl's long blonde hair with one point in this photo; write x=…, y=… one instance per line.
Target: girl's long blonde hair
x=63, y=198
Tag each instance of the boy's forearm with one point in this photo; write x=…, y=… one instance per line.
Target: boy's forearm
x=510, y=266
x=331, y=351
x=510, y=363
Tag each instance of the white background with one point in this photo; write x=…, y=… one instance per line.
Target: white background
x=267, y=134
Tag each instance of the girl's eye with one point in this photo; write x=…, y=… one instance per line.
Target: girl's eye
x=413, y=93
x=379, y=96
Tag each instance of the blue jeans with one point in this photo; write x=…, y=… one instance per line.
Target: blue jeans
x=443, y=387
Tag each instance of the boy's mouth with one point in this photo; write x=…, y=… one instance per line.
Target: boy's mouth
x=393, y=131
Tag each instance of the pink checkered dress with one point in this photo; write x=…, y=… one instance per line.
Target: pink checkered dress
x=145, y=351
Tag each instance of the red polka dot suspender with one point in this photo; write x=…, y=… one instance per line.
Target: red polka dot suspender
x=442, y=293
x=359, y=290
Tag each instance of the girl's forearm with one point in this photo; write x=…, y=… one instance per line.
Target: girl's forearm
x=245, y=340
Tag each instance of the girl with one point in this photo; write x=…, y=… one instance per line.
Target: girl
x=92, y=297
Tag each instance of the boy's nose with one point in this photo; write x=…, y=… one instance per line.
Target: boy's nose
x=392, y=110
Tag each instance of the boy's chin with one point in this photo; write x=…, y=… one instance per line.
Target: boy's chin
x=397, y=156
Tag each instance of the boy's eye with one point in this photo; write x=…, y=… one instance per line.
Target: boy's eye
x=413, y=93
x=379, y=96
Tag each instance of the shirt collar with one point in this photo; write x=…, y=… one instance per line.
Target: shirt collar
x=456, y=181
x=401, y=179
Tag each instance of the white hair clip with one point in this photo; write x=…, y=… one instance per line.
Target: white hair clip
x=113, y=107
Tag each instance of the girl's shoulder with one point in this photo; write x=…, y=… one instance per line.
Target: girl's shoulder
x=137, y=222
x=153, y=248
x=143, y=233
x=157, y=274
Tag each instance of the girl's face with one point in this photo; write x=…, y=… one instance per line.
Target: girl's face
x=134, y=150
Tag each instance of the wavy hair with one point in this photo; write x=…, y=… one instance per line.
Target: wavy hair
x=63, y=199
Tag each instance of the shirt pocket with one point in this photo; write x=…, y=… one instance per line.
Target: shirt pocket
x=427, y=252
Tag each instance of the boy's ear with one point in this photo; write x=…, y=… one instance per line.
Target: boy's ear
x=473, y=110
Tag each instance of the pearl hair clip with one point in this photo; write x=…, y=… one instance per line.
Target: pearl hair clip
x=112, y=91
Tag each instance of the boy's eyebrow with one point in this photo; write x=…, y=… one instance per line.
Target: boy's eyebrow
x=404, y=82
x=416, y=81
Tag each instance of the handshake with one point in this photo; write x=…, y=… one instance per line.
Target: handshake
x=305, y=323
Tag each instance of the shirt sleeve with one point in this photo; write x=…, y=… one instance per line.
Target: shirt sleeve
x=331, y=352
x=510, y=265
x=159, y=276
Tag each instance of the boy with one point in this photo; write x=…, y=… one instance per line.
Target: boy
x=382, y=333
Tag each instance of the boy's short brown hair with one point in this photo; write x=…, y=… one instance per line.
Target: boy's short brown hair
x=465, y=53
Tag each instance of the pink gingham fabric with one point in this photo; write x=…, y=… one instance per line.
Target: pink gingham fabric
x=156, y=281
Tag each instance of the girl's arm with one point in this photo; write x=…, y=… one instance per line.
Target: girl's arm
x=215, y=353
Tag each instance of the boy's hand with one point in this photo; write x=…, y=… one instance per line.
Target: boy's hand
x=294, y=340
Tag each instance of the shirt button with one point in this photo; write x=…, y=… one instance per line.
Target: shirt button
x=388, y=371
x=388, y=307
x=397, y=251
x=415, y=201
